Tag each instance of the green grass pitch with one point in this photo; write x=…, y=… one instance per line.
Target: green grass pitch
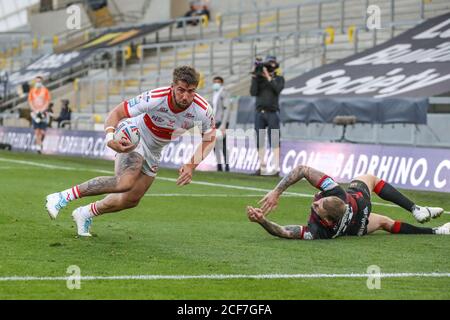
x=204, y=231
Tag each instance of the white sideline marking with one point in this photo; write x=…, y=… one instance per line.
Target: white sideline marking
x=204, y=183
x=210, y=195
x=233, y=276
x=230, y=186
x=50, y=166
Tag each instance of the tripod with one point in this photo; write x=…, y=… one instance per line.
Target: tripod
x=344, y=121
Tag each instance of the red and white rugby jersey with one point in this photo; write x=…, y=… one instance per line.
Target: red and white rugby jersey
x=160, y=119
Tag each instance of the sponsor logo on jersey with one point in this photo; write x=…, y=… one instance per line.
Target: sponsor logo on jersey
x=171, y=123
x=189, y=115
x=363, y=222
x=163, y=109
x=132, y=102
x=340, y=227
x=157, y=119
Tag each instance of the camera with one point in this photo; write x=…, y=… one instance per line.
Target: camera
x=270, y=63
x=39, y=117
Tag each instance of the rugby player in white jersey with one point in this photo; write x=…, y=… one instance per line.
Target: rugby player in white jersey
x=159, y=114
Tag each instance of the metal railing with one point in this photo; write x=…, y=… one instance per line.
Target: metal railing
x=232, y=58
x=310, y=13
x=156, y=61
x=13, y=103
x=391, y=26
x=201, y=32
x=233, y=21
x=314, y=10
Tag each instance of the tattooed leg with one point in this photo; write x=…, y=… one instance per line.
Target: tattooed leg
x=129, y=185
x=128, y=169
x=120, y=201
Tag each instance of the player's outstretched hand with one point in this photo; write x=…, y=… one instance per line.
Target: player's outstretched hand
x=123, y=146
x=185, y=175
x=254, y=214
x=269, y=202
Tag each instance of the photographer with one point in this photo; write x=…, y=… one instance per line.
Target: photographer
x=267, y=86
x=39, y=100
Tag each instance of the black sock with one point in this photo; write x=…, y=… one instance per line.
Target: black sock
x=387, y=192
x=406, y=228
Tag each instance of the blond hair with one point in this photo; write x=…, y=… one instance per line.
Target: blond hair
x=335, y=208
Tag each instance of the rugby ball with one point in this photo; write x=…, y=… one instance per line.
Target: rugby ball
x=127, y=131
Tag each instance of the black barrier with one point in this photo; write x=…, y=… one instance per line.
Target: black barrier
x=324, y=110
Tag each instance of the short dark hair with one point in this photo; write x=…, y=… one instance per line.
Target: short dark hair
x=186, y=74
x=218, y=78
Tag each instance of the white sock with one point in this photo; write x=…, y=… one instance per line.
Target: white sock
x=71, y=194
x=93, y=211
x=89, y=211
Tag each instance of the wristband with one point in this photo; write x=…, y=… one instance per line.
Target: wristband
x=107, y=128
x=109, y=137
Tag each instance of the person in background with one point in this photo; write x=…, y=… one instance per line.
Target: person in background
x=266, y=86
x=39, y=99
x=64, y=115
x=196, y=9
x=50, y=114
x=205, y=11
x=221, y=109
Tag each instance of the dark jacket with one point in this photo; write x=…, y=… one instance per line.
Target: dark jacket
x=267, y=93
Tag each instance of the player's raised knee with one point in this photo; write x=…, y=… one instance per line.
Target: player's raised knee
x=132, y=202
x=125, y=184
x=131, y=199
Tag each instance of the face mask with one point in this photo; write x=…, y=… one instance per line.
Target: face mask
x=38, y=85
x=216, y=86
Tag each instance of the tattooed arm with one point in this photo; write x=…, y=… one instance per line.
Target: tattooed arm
x=287, y=232
x=313, y=176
